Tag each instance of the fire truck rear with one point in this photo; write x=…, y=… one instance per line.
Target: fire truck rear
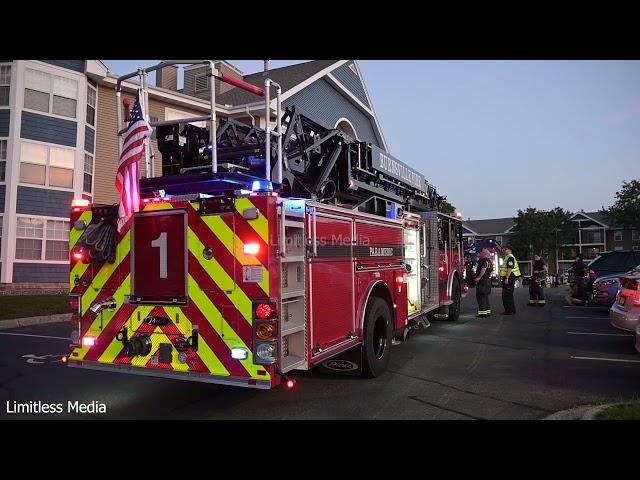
x=225, y=276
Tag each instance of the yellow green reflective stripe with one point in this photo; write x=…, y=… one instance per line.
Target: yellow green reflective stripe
x=209, y=310
x=220, y=276
x=115, y=346
x=105, y=272
x=260, y=224
x=232, y=242
x=74, y=235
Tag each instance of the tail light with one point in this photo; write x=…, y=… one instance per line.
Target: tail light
x=78, y=254
x=265, y=331
x=79, y=202
x=251, y=248
x=592, y=275
x=265, y=310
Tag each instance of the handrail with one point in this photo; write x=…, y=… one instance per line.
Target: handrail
x=142, y=73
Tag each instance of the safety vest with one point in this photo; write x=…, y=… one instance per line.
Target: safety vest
x=516, y=268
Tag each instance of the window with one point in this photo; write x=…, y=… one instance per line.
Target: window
x=87, y=185
x=29, y=234
x=153, y=119
x=636, y=248
x=3, y=159
x=57, y=240
x=5, y=84
x=618, y=248
x=617, y=235
x=33, y=235
x=50, y=93
x=91, y=106
x=46, y=165
x=591, y=236
x=202, y=82
x=635, y=235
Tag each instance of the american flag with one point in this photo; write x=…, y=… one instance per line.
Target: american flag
x=133, y=149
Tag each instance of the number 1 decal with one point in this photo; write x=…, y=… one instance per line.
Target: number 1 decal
x=161, y=242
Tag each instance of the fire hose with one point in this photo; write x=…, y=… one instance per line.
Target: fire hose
x=98, y=241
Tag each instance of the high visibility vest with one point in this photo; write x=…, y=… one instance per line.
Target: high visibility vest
x=516, y=267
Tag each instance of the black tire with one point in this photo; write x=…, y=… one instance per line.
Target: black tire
x=454, y=308
x=377, y=333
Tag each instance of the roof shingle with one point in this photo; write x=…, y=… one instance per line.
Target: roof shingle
x=286, y=77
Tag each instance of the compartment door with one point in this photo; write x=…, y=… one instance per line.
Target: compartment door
x=159, y=257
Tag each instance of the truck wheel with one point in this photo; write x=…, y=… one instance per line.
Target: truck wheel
x=454, y=308
x=377, y=333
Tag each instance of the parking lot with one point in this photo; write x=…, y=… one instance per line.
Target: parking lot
x=521, y=367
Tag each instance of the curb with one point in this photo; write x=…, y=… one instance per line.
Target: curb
x=25, y=322
x=586, y=412
x=571, y=414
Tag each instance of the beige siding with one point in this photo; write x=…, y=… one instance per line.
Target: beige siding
x=167, y=77
x=106, y=158
x=221, y=87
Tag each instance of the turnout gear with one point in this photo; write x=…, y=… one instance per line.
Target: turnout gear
x=508, y=284
x=505, y=266
x=483, y=287
x=538, y=282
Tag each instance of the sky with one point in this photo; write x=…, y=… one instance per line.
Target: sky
x=498, y=136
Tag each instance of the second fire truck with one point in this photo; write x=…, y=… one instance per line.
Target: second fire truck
x=259, y=252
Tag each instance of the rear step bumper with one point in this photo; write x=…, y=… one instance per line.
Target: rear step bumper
x=191, y=376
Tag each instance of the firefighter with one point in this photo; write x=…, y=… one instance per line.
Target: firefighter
x=483, y=284
x=509, y=273
x=538, y=279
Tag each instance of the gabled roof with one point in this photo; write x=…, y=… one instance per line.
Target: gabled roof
x=491, y=226
x=287, y=77
x=595, y=216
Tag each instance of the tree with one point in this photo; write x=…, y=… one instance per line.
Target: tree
x=541, y=231
x=625, y=212
x=447, y=208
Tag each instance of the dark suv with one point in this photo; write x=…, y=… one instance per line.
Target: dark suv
x=612, y=262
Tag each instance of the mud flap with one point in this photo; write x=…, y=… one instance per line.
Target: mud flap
x=347, y=363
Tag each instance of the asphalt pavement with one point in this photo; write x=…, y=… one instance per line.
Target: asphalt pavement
x=526, y=366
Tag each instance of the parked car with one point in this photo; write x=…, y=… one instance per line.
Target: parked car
x=605, y=289
x=610, y=263
x=625, y=312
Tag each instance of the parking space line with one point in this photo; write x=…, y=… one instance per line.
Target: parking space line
x=595, y=318
x=36, y=336
x=603, y=334
x=583, y=307
x=607, y=359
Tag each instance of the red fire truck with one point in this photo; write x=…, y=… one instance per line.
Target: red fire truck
x=227, y=276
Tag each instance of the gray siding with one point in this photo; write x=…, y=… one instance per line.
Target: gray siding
x=326, y=104
x=5, y=114
x=75, y=65
x=48, y=129
x=40, y=273
x=42, y=201
x=350, y=80
x=2, y=189
x=89, y=136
